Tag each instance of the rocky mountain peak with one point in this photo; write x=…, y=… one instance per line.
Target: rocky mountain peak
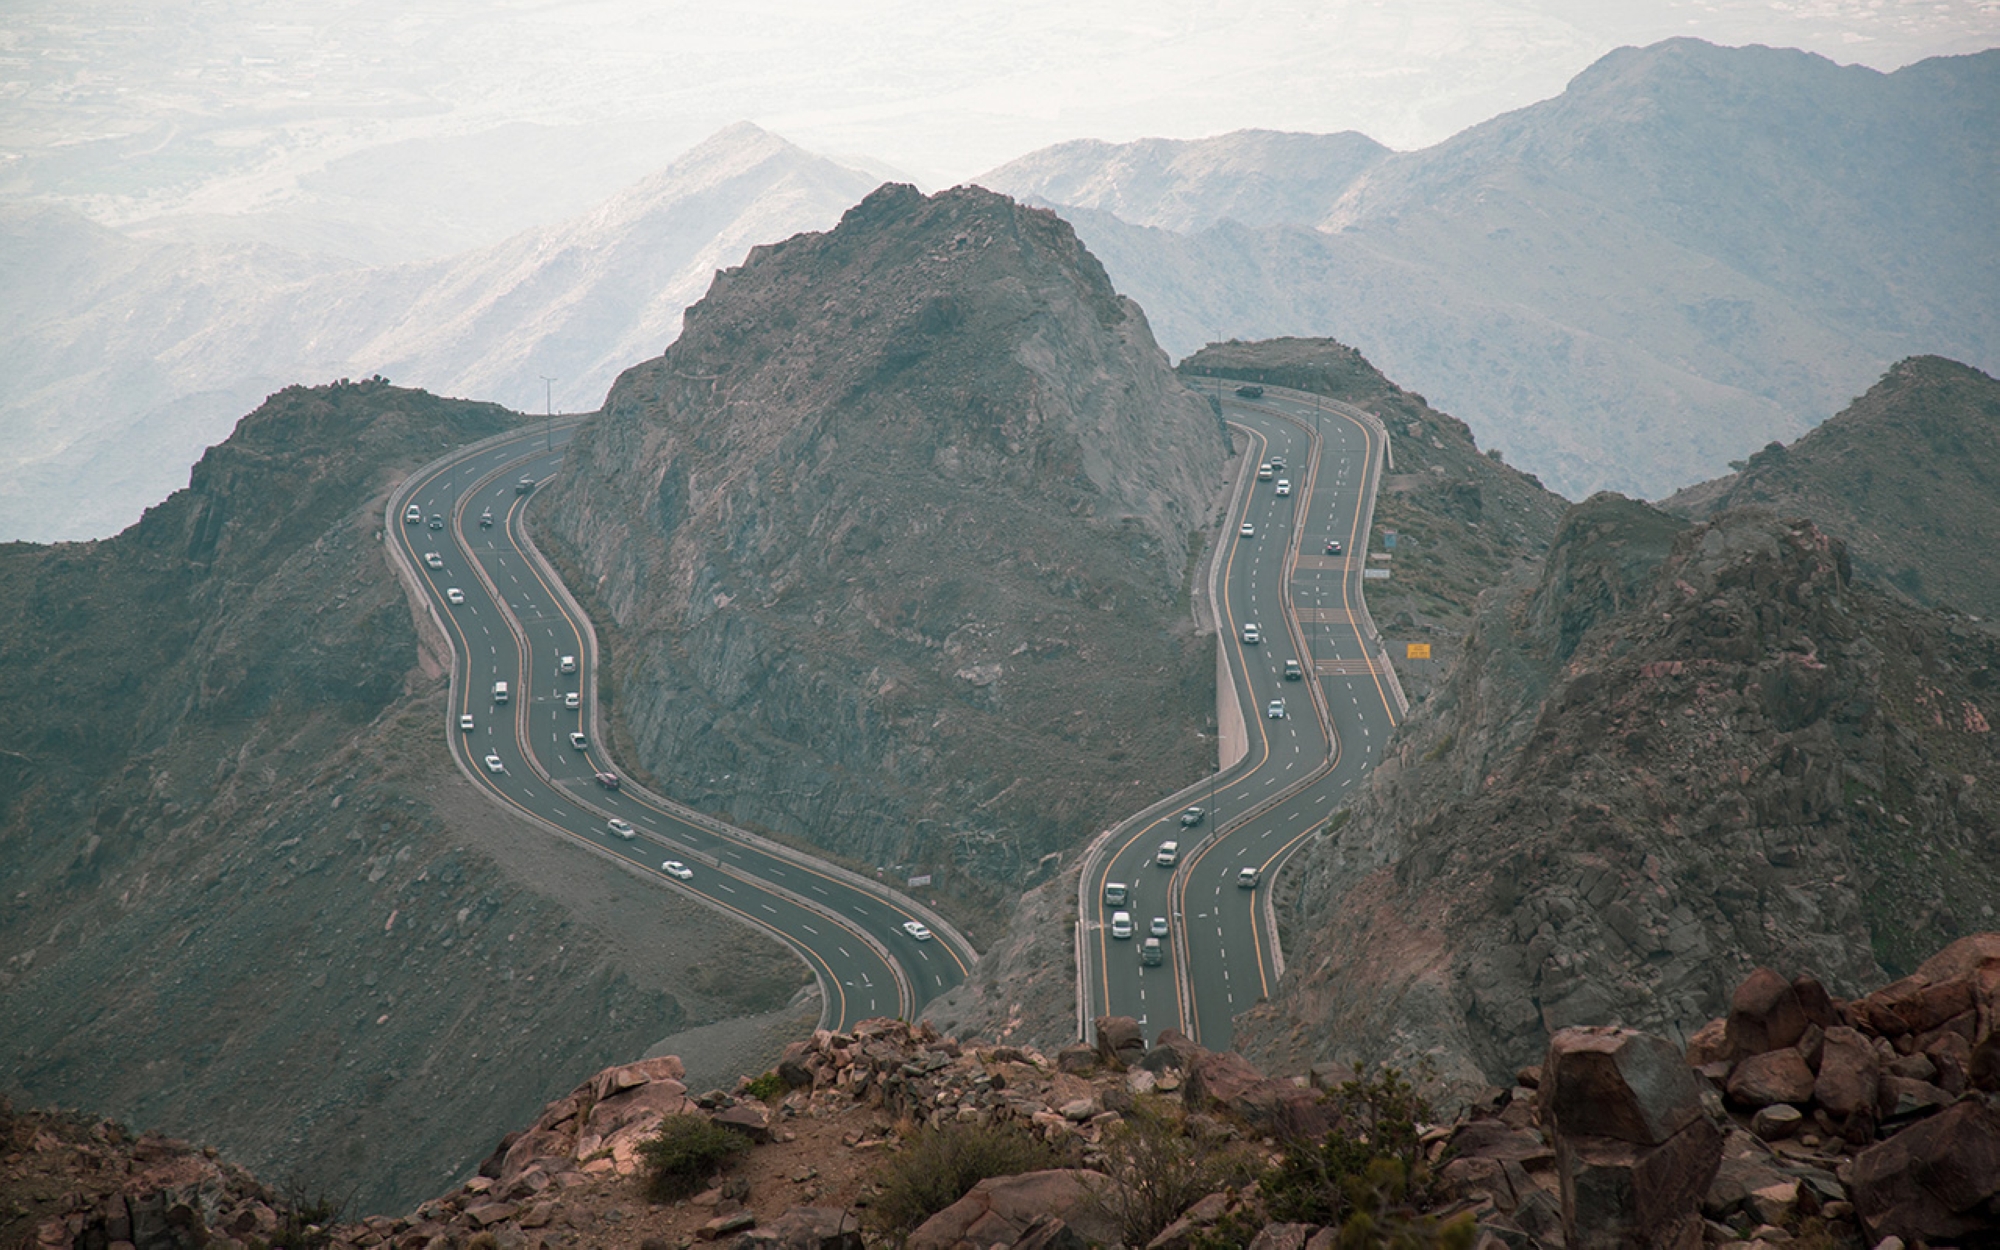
x=901, y=521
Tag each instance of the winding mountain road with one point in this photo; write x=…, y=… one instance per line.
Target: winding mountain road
x=1307, y=740
x=514, y=622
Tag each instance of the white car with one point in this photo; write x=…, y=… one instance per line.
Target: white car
x=1247, y=530
x=1252, y=635
x=1284, y=486
x=1264, y=471
x=1121, y=924
x=1115, y=893
x=453, y=594
x=1247, y=879
x=433, y=559
x=1276, y=711
x=623, y=828
x=465, y=722
x=572, y=699
x=1159, y=926
x=916, y=931
x=412, y=515
x=677, y=870
x=566, y=665
x=1168, y=855
x=493, y=764
x=578, y=741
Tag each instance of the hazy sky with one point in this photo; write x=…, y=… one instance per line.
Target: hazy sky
x=138, y=108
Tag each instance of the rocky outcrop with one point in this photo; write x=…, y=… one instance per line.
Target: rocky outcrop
x=1682, y=753
x=1902, y=476
x=892, y=545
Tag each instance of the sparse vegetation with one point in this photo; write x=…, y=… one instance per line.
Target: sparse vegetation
x=938, y=1166
x=1165, y=1163
x=687, y=1151
x=766, y=1088
x=1330, y=1180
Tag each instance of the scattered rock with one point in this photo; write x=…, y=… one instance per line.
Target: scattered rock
x=1935, y=1180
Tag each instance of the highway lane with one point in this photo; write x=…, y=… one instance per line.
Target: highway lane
x=514, y=624
x=1221, y=955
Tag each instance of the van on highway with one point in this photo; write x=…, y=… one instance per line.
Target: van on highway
x=1115, y=892
x=499, y=692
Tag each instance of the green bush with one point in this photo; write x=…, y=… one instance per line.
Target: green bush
x=938, y=1166
x=766, y=1088
x=1165, y=1163
x=685, y=1153
x=1329, y=1180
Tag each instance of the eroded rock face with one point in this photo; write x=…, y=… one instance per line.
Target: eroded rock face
x=1674, y=758
x=901, y=520
x=1634, y=1150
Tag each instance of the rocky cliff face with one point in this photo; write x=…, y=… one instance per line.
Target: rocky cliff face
x=1905, y=476
x=1679, y=752
x=248, y=897
x=895, y=542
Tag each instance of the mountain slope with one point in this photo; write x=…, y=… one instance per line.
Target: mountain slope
x=1906, y=475
x=166, y=344
x=1254, y=177
x=897, y=537
x=250, y=896
x=1690, y=252
x=1678, y=753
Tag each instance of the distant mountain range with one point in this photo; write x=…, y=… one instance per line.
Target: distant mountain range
x=1692, y=251
x=131, y=357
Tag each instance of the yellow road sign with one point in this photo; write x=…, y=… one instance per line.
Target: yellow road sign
x=1417, y=651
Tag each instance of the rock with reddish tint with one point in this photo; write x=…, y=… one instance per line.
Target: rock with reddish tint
x=1900, y=1097
x=748, y=1119
x=1982, y=1066
x=1634, y=1151
x=1611, y=1082
x=1774, y=1076
x=1775, y=1123
x=999, y=1210
x=1076, y=1059
x=792, y=1068
x=1120, y=1040
x=807, y=1228
x=1764, y=1014
x=1048, y=1232
x=1933, y=1182
x=1710, y=1044
x=1849, y=1073
x=1814, y=1001
x=1172, y=1049
x=1217, y=1079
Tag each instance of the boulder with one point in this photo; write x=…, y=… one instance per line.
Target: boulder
x=1776, y=1122
x=1172, y=1049
x=1050, y=1232
x=1815, y=1001
x=1934, y=1181
x=1849, y=1073
x=1618, y=1083
x=1120, y=1040
x=1076, y=1059
x=1710, y=1044
x=1218, y=1079
x=1000, y=1210
x=1764, y=1014
x=1283, y=1237
x=792, y=1070
x=1774, y=1076
x=1634, y=1152
x=1982, y=1066
x=807, y=1228
x=1901, y=1096
x=748, y=1119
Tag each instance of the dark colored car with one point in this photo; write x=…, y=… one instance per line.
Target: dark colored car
x=1250, y=392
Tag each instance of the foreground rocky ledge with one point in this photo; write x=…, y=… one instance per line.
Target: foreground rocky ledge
x=1799, y=1118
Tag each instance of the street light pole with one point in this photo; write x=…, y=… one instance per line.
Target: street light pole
x=549, y=425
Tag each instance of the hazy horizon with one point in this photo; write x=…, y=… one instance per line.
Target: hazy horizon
x=395, y=132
